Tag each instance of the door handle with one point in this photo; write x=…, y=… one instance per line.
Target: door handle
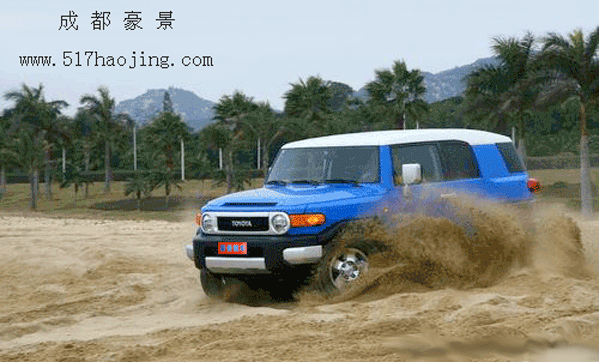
x=453, y=194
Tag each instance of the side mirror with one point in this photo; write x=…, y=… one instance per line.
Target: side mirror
x=411, y=173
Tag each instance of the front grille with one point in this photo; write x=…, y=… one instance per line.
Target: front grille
x=227, y=223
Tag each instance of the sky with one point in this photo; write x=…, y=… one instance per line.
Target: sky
x=257, y=47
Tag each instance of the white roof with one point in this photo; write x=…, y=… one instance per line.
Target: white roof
x=379, y=138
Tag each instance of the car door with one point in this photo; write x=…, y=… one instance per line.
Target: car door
x=461, y=174
x=427, y=156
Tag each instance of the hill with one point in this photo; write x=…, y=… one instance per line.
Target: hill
x=196, y=112
x=445, y=84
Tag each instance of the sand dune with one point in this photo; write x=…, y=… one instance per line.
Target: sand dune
x=102, y=290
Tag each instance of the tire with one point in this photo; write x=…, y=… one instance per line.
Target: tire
x=342, y=266
x=213, y=285
x=226, y=288
x=270, y=289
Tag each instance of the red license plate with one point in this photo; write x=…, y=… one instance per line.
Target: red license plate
x=235, y=248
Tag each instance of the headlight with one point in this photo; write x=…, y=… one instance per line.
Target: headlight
x=208, y=224
x=280, y=223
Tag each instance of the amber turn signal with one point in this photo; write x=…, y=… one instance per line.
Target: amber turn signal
x=306, y=220
x=533, y=185
x=198, y=219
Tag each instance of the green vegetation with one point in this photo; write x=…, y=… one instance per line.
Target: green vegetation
x=184, y=203
x=31, y=132
x=187, y=201
x=101, y=109
x=397, y=94
x=503, y=95
x=139, y=185
x=547, y=89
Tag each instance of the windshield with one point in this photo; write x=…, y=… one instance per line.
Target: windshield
x=326, y=164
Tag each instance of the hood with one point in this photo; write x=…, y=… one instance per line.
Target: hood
x=292, y=196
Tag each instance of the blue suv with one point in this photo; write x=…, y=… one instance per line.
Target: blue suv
x=278, y=235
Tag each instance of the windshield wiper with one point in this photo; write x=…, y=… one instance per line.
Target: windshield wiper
x=342, y=181
x=311, y=182
x=277, y=182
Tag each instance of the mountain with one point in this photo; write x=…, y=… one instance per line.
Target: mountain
x=449, y=83
x=445, y=84
x=195, y=111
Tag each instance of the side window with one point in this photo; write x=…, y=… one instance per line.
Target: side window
x=354, y=163
x=426, y=155
x=510, y=156
x=458, y=161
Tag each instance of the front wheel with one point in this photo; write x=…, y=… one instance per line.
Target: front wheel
x=213, y=285
x=223, y=287
x=341, y=267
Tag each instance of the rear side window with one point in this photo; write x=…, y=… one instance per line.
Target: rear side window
x=510, y=156
x=426, y=155
x=458, y=161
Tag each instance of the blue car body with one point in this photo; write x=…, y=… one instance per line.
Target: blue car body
x=451, y=161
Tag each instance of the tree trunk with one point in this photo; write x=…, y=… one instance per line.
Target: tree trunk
x=401, y=124
x=108, y=177
x=170, y=164
x=229, y=171
x=265, y=160
x=2, y=178
x=586, y=193
x=86, y=157
x=34, y=188
x=86, y=153
x=522, y=140
x=522, y=149
x=48, y=179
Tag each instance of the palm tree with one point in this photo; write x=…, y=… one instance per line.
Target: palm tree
x=230, y=110
x=507, y=90
x=310, y=101
x=215, y=136
x=230, y=113
x=110, y=124
x=139, y=185
x=33, y=128
x=397, y=93
x=340, y=92
x=574, y=73
x=5, y=151
x=166, y=132
x=83, y=130
x=164, y=177
x=267, y=129
x=57, y=137
x=74, y=176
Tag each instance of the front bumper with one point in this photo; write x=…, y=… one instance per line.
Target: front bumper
x=265, y=253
